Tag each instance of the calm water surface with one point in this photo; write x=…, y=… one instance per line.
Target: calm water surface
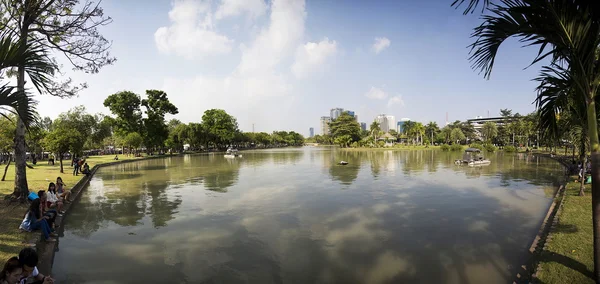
x=294, y=216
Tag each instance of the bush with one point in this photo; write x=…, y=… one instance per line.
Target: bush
x=380, y=144
x=445, y=147
x=490, y=148
x=477, y=146
x=456, y=147
x=510, y=149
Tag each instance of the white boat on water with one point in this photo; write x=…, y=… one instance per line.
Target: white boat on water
x=473, y=157
x=232, y=153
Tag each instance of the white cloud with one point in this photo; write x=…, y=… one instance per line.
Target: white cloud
x=248, y=90
x=396, y=100
x=254, y=8
x=191, y=33
x=376, y=94
x=312, y=57
x=380, y=44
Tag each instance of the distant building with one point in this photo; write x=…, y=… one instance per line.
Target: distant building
x=400, y=124
x=478, y=123
x=325, y=120
x=386, y=122
x=311, y=132
x=334, y=113
x=363, y=126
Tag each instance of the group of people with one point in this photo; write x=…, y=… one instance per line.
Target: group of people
x=44, y=209
x=23, y=269
x=80, y=165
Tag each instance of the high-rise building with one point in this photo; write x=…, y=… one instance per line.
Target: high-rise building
x=311, y=132
x=334, y=113
x=363, y=126
x=386, y=122
x=325, y=120
x=400, y=125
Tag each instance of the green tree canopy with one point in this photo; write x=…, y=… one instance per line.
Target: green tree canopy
x=457, y=135
x=125, y=106
x=345, y=124
x=220, y=127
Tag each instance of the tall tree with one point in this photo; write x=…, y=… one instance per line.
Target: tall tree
x=568, y=34
x=375, y=129
x=345, y=125
x=490, y=131
x=157, y=106
x=67, y=27
x=125, y=106
x=220, y=127
x=457, y=136
x=62, y=139
x=432, y=129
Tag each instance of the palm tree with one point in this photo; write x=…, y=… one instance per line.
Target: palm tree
x=567, y=33
x=490, y=131
x=419, y=130
x=408, y=129
x=38, y=67
x=375, y=129
x=431, y=129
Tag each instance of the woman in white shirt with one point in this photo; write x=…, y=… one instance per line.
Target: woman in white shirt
x=53, y=199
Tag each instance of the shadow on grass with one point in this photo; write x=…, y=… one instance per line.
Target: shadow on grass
x=566, y=261
x=566, y=228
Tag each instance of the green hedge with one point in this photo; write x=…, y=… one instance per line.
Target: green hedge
x=445, y=147
x=510, y=149
x=456, y=147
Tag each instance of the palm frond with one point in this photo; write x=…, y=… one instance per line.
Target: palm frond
x=18, y=103
x=472, y=6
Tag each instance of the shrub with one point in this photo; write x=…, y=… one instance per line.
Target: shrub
x=445, y=147
x=477, y=146
x=456, y=147
x=490, y=148
x=380, y=144
x=510, y=149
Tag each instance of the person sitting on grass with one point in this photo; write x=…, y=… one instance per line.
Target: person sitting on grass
x=28, y=258
x=11, y=273
x=63, y=193
x=53, y=199
x=35, y=220
x=86, y=169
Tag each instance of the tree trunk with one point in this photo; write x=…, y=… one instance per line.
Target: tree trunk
x=6, y=169
x=595, y=147
x=61, y=163
x=582, y=185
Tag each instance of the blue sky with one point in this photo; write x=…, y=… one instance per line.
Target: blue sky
x=281, y=65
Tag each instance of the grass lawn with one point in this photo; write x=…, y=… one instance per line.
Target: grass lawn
x=568, y=257
x=11, y=239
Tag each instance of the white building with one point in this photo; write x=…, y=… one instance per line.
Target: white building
x=386, y=122
x=334, y=113
x=325, y=120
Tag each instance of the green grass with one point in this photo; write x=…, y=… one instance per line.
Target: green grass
x=568, y=256
x=11, y=239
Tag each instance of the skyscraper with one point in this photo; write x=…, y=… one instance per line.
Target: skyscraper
x=325, y=120
x=400, y=124
x=386, y=122
x=334, y=113
x=311, y=132
x=363, y=126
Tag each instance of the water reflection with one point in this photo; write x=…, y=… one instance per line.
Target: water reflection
x=281, y=217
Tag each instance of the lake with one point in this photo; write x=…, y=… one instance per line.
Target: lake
x=293, y=215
